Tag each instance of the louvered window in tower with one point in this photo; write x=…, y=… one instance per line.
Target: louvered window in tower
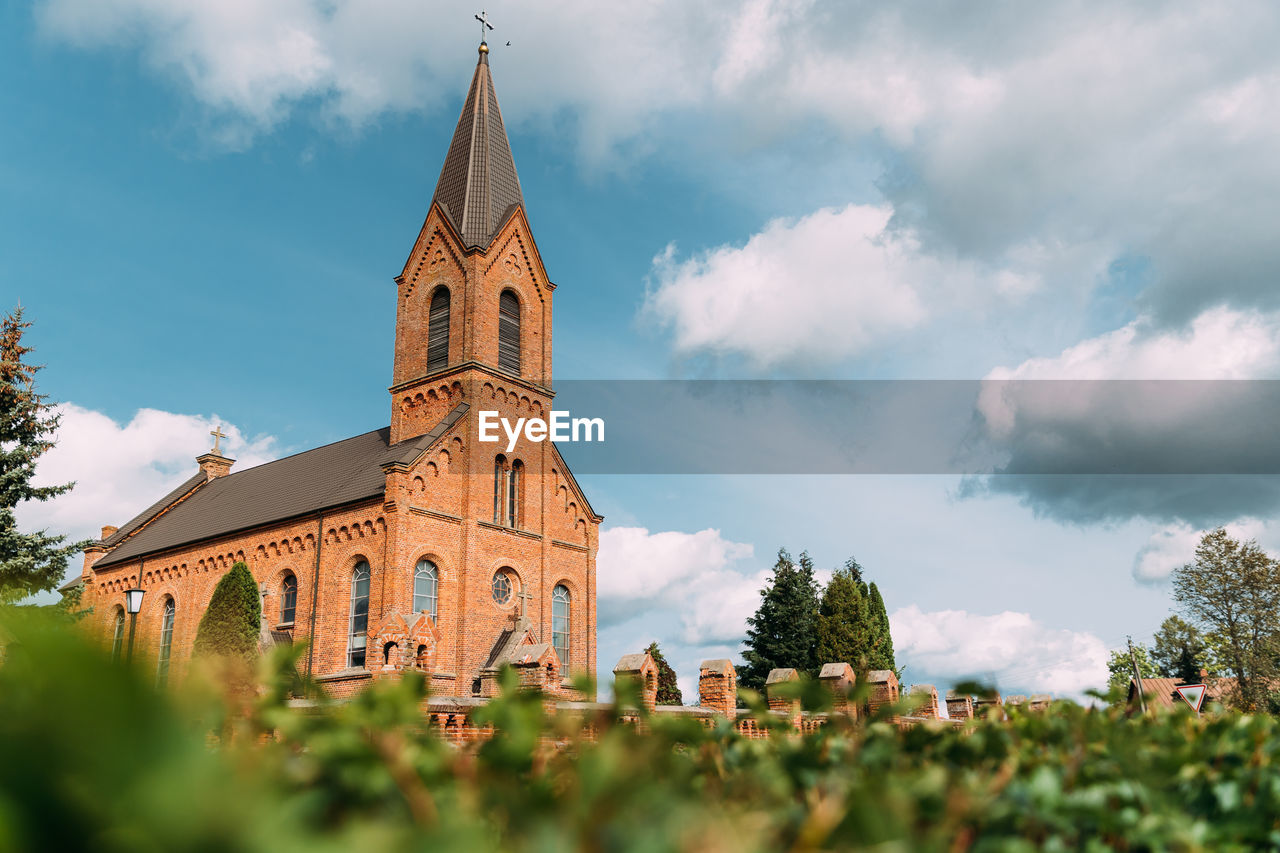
x=438, y=330
x=509, y=332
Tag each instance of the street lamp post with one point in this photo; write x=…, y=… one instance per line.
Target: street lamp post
x=132, y=604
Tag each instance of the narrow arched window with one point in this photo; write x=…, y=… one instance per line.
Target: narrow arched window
x=358, y=633
x=499, y=478
x=166, y=643
x=561, y=603
x=426, y=581
x=438, y=330
x=288, y=599
x=513, y=493
x=509, y=332
x=117, y=637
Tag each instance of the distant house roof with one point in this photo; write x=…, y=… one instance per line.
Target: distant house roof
x=1161, y=693
x=341, y=473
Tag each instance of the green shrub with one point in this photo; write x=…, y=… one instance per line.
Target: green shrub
x=91, y=756
x=232, y=623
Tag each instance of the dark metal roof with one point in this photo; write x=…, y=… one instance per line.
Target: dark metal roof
x=478, y=185
x=344, y=472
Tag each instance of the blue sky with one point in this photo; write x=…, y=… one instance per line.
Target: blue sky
x=204, y=205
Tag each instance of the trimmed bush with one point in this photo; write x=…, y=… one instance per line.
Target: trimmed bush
x=232, y=624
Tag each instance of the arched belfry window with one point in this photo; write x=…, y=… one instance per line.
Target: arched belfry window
x=117, y=637
x=288, y=599
x=561, y=604
x=499, y=478
x=438, y=330
x=359, y=625
x=426, y=584
x=508, y=480
x=166, y=643
x=509, y=332
x=514, y=485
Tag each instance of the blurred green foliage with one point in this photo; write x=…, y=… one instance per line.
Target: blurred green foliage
x=92, y=757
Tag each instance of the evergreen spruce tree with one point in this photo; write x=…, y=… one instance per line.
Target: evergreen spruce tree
x=783, y=631
x=881, y=647
x=668, y=688
x=231, y=625
x=844, y=619
x=1179, y=650
x=29, y=562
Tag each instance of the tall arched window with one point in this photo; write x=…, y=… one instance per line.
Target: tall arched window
x=509, y=332
x=426, y=581
x=499, y=477
x=358, y=634
x=438, y=330
x=560, y=608
x=166, y=643
x=513, y=493
x=117, y=637
x=508, y=479
x=288, y=599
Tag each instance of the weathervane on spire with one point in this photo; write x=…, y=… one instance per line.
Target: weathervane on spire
x=483, y=18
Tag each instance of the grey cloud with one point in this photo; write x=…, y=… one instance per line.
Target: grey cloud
x=1204, y=501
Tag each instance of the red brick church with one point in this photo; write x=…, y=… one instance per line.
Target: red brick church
x=415, y=545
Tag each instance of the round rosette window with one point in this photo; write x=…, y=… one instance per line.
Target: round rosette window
x=501, y=588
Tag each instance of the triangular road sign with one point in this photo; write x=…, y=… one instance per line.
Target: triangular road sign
x=1192, y=694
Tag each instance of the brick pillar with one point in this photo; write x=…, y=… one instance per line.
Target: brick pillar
x=641, y=669
x=959, y=707
x=884, y=689
x=839, y=679
x=989, y=706
x=532, y=675
x=718, y=687
x=489, y=683
x=930, y=695
x=783, y=704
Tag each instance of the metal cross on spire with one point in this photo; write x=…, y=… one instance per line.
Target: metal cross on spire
x=483, y=18
x=218, y=435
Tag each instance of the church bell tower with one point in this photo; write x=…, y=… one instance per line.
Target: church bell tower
x=474, y=303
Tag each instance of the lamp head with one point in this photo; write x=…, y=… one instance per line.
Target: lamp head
x=133, y=600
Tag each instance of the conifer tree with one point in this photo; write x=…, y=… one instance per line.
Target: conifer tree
x=1179, y=650
x=782, y=633
x=29, y=562
x=844, y=619
x=232, y=624
x=668, y=687
x=881, y=646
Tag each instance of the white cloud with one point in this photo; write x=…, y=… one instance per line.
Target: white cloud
x=1220, y=343
x=821, y=288
x=685, y=573
x=120, y=469
x=1174, y=545
x=1010, y=649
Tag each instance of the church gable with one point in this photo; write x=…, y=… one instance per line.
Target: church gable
x=437, y=251
x=515, y=256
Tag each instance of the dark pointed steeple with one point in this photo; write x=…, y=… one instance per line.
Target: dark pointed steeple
x=478, y=184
